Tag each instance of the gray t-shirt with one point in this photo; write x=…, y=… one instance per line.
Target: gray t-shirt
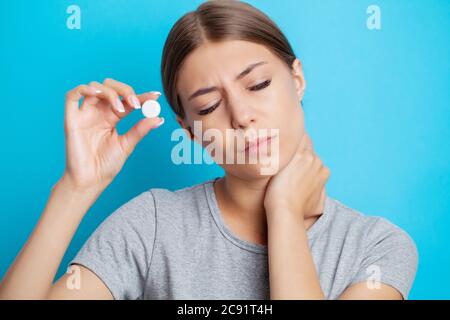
x=166, y=244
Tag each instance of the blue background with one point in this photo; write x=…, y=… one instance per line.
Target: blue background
x=377, y=107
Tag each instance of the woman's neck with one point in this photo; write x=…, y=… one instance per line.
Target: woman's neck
x=241, y=203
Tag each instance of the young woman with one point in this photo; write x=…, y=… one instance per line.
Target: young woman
x=242, y=236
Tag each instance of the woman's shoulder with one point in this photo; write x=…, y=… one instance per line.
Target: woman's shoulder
x=182, y=204
x=371, y=230
x=375, y=244
x=181, y=195
x=168, y=202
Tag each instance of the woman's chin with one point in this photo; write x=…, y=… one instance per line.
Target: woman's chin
x=256, y=171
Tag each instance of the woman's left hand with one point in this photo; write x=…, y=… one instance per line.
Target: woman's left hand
x=299, y=187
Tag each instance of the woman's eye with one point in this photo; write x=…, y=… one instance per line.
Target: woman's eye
x=261, y=85
x=210, y=109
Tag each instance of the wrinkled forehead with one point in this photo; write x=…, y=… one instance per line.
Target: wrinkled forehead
x=213, y=62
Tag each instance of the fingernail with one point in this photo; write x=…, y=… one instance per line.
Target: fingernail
x=95, y=90
x=119, y=105
x=160, y=123
x=135, y=102
x=156, y=92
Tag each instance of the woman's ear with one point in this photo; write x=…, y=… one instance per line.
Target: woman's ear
x=185, y=127
x=300, y=83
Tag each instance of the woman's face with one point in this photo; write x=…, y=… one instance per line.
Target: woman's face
x=267, y=96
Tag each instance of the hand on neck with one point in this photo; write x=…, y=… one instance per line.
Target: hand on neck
x=243, y=202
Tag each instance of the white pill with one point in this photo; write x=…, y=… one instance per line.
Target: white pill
x=151, y=108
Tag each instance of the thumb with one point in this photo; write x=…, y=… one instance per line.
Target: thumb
x=130, y=139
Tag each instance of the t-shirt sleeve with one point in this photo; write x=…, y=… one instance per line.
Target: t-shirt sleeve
x=120, y=249
x=390, y=257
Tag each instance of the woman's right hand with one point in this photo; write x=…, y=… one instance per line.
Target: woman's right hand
x=95, y=152
x=300, y=186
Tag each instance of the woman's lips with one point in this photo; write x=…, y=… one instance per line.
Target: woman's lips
x=252, y=146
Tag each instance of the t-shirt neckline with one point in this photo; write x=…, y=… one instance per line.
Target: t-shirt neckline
x=250, y=246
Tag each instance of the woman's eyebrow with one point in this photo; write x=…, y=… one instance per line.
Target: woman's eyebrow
x=242, y=74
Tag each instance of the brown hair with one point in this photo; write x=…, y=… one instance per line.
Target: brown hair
x=215, y=21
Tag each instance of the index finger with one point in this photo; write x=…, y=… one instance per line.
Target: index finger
x=74, y=96
x=154, y=95
x=124, y=90
x=305, y=144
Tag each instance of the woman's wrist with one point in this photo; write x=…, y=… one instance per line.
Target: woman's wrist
x=284, y=215
x=76, y=199
x=273, y=207
x=67, y=183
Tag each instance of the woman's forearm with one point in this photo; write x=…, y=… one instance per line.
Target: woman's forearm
x=33, y=271
x=292, y=271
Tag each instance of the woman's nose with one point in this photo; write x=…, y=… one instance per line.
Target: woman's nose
x=241, y=115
